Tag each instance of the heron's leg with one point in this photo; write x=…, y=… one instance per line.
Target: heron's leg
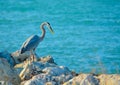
x=30, y=58
x=33, y=57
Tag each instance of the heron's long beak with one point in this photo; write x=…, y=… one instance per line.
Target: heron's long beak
x=51, y=30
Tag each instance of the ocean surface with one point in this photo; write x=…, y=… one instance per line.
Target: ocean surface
x=87, y=32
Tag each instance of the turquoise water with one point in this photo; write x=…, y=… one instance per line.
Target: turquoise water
x=87, y=32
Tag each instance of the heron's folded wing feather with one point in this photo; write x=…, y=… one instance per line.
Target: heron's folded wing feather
x=31, y=42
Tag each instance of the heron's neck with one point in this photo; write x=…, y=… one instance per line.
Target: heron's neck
x=43, y=31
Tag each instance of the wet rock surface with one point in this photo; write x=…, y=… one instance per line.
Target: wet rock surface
x=8, y=75
x=52, y=74
x=90, y=79
x=45, y=71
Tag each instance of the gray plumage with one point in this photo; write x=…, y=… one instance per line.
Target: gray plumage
x=30, y=44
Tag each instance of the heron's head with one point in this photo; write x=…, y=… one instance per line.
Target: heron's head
x=49, y=26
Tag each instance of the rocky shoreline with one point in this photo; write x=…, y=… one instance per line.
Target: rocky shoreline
x=45, y=71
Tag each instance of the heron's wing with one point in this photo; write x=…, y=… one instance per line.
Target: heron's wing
x=30, y=43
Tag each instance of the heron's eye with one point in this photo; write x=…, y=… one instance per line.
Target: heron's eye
x=48, y=23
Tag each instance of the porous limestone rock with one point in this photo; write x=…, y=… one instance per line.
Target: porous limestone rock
x=105, y=79
x=48, y=59
x=20, y=57
x=90, y=79
x=43, y=79
x=57, y=71
x=6, y=55
x=33, y=68
x=8, y=75
x=45, y=73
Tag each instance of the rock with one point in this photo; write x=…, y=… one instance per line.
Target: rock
x=57, y=71
x=20, y=57
x=89, y=79
x=50, y=83
x=44, y=73
x=8, y=57
x=76, y=80
x=41, y=65
x=48, y=59
x=43, y=79
x=8, y=75
x=47, y=68
x=34, y=68
x=106, y=79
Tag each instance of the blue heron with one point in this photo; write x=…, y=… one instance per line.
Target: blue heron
x=32, y=42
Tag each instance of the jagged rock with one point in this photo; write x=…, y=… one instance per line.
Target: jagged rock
x=41, y=65
x=47, y=68
x=56, y=71
x=105, y=79
x=50, y=83
x=43, y=79
x=48, y=59
x=76, y=80
x=46, y=73
x=20, y=57
x=89, y=79
x=34, y=68
x=8, y=75
x=8, y=57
